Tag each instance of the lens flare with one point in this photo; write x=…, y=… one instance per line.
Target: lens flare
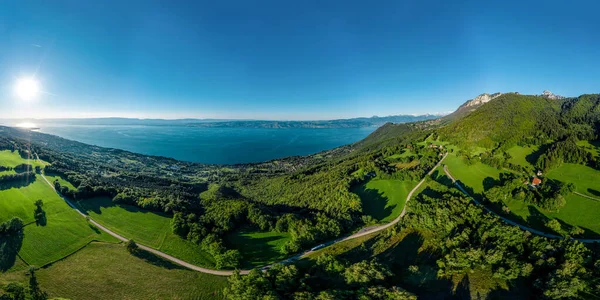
x=27, y=88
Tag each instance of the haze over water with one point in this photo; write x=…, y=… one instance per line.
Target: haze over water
x=211, y=145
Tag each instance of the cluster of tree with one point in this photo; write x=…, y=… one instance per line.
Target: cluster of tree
x=549, y=195
x=329, y=278
x=12, y=226
x=7, y=178
x=565, y=151
x=38, y=214
x=16, y=291
x=470, y=239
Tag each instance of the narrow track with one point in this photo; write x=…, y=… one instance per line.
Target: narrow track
x=180, y=262
x=523, y=227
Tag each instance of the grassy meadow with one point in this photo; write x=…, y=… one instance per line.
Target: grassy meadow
x=146, y=227
x=578, y=211
x=258, y=248
x=472, y=176
x=108, y=271
x=61, y=232
x=383, y=199
x=61, y=180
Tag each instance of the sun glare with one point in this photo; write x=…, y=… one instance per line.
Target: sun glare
x=27, y=125
x=27, y=88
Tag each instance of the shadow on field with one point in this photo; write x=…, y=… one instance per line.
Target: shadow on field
x=254, y=250
x=374, y=203
x=17, y=183
x=536, y=217
x=97, y=203
x=594, y=192
x=489, y=183
x=9, y=247
x=156, y=260
x=533, y=157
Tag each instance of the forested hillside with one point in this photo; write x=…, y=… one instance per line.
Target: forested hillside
x=531, y=160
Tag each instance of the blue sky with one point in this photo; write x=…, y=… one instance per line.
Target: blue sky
x=290, y=59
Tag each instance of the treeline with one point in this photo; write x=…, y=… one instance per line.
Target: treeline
x=565, y=151
x=24, y=176
x=470, y=239
x=329, y=278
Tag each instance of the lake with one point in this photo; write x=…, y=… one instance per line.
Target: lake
x=211, y=145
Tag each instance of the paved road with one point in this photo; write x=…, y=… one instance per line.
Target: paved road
x=180, y=262
x=523, y=227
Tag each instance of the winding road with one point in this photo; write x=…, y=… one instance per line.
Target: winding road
x=363, y=232
x=523, y=227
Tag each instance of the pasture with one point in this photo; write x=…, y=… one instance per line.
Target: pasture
x=383, y=199
x=473, y=176
x=62, y=232
x=258, y=248
x=109, y=270
x=61, y=180
x=145, y=227
x=578, y=211
x=522, y=156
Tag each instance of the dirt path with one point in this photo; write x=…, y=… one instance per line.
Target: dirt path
x=180, y=262
x=523, y=227
x=586, y=196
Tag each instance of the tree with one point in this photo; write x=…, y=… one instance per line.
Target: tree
x=365, y=272
x=16, y=291
x=35, y=292
x=132, y=247
x=554, y=225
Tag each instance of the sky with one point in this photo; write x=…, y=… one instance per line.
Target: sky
x=278, y=60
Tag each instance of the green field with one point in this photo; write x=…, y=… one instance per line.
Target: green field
x=146, y=227
x=519, y=155
x=586, y=179
x=258, y=248
x=13, y=159
x=61, y=180
x=578, y=211
x=592, y=147
x=383, y=199
x=64, y=232
x=108, y=271
x=471, y=176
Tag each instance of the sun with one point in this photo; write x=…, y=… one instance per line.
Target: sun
x=27, y=88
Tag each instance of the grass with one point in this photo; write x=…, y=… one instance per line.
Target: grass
x=64, y=231
x=578, y=211
x=258, y=248
x=472, y=176
x=13, y=159
x=586, y=179
x=519, y=155
x=146, y=227
x=110, y=271
x=592, y=147
x=383, y=199
x=61, y=180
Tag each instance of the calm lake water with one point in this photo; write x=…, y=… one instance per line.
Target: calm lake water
x=211, y=145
